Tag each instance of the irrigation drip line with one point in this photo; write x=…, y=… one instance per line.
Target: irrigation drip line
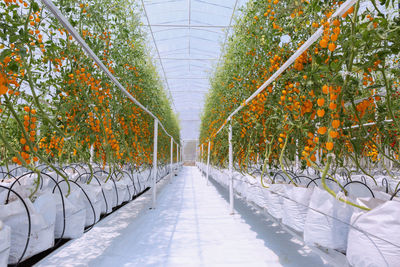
x=64, y=21
x=340, y=11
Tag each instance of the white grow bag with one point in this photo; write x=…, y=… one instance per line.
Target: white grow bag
x=97, y=200
x=75, y=215
x=375, y=241
x=240, y=184
x=295, y=206
x=223, y=177
x=145, y=178
x=255, y=192
x=123, y=194
x=275, y=201
x=111, y=197
x=330, y=230
x=131, y=188
x=42, y=231
x=5, y=243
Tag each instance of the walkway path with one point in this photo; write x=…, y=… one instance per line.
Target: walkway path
x=190, y=227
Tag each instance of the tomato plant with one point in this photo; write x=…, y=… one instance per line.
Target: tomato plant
x=335, y=108
x=56, y=104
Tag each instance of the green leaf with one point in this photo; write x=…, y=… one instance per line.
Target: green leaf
x=5, y=53
x=35, y=7
x=14, y=38
x=13, y=66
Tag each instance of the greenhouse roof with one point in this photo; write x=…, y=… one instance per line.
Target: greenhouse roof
x=186, y=37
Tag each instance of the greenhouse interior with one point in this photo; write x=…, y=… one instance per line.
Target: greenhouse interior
x=200, y=133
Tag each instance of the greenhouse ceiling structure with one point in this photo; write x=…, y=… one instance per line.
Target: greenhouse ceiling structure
x=186, y=37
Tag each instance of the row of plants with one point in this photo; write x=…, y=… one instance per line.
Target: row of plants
x=56, y=105
x=336, y=108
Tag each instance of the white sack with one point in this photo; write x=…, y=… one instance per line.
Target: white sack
x=223, y=177
x=45, y=205
x=123, y=194
x=75, y=215
x=275, y=201
x=382, y=195
x=296, y=207
x=5, y=243
x=330, y=230
x=20, y=189
x=145, y=179
x=240, y=184
x=255, y=193
x=111, y=197
x=382, y=246
x=97, y=200
x=42, y=234
x=131, y=188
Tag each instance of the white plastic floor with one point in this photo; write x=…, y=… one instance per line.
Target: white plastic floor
x=191, y=226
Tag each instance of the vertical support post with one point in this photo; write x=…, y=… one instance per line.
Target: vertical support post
x=201, y=155
x=230, y=170
x=197, y=154
x=154, y=190
x=208, y=160
x=172, y=157
x=181, y=155
x=177, y=156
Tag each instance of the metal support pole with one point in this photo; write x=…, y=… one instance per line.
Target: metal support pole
x=201, y=155
x=177, y=155
x=155, y=162
x=208, y=160
x=230, y=170
x=172, y=157
x=196, y=159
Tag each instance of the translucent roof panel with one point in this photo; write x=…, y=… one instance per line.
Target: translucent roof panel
x=186, y=37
